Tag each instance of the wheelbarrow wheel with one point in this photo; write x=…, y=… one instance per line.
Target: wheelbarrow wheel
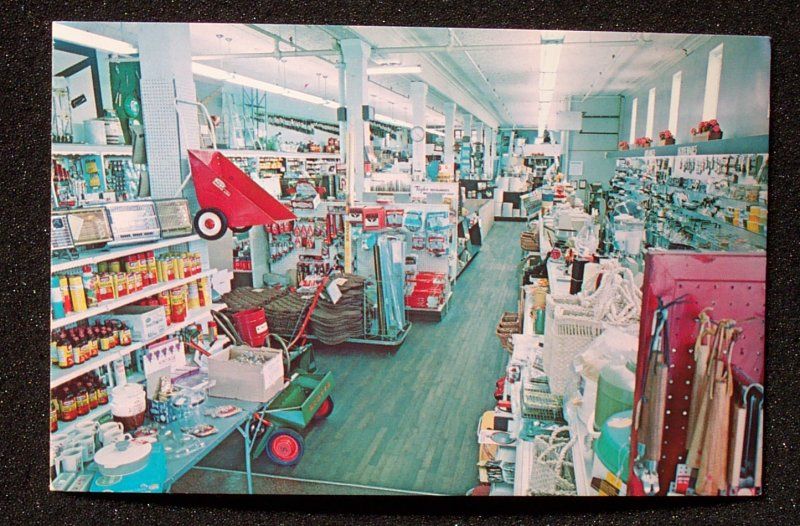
x=240, y=230
x=285, y=447
x=210, y=223
x=325, y=409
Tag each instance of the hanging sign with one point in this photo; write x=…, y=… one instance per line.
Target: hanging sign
x=650, y=153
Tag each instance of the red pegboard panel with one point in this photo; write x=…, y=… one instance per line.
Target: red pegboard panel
x=734, y=285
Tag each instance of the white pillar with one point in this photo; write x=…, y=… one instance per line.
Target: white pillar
x=342, y=124
x=166, y=65
x=449, y=136
x=419, y=92
x=356, y=55
x=468, y=127
x=488, y=153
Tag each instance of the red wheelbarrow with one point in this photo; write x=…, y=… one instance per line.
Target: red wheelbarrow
x=228, y=198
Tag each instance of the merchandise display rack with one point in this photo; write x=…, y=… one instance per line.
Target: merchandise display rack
x=734, y=286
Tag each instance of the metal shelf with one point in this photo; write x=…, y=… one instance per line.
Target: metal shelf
x=107, y=306
x=286, y=155
x=96, y=256
x=90, y=149
x=60, y=376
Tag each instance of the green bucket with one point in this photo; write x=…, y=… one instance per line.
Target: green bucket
x=614, y=392
x=614, y=445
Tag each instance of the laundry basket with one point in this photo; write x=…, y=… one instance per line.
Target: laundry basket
x=568, y=330
x=552, y=472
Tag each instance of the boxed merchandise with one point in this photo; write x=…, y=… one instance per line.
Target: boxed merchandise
x=145, y=321
x=246, y=373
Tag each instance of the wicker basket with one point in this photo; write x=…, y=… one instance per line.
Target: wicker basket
x=509, y=324
x=567, y=333
x=529, y=241
x=552, y=471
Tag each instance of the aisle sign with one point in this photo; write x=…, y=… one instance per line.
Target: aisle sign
x=687, y=150
x=650, y=153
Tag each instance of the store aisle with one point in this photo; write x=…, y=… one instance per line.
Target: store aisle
x=407, y=421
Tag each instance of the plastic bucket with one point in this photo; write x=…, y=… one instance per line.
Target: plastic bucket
x=252, y=326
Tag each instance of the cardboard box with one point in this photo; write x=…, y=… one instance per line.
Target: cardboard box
x=243, y=381
x=145, y=321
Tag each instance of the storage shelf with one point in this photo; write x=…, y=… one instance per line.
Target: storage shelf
x=286, y=155
x=96, y=256
x=107, y=306
x=60, y=376
x=89, y=149
x=94, y=414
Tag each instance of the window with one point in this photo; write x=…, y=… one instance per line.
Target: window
x=634, y=109
x=675, y=102
x=651, y=113
x=713, y=75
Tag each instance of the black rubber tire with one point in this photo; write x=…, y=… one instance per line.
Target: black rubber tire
x=241, y=230
x=325, y=409
x=290, y=442
x=206, y=232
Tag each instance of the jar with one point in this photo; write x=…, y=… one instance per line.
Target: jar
x=65, y=356
x=102, y=393
x=53, y=416
x=92, y=392
x=82, y=400
x=68, y=410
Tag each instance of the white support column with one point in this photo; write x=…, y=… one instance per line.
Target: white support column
x=356, y=55
x=449, y=136
x=467, y=128
x=342, y=124
x=166, y=66
x=488, y=153
x=419, y=92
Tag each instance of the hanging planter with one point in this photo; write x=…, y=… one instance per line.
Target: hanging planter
x=706, y=131
x=623, y=146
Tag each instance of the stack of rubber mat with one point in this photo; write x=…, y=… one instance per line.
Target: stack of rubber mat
x=285, y=314
x=333, y=324
x=246, y=298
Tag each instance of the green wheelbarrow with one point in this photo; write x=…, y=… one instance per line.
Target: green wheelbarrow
x=275, y=429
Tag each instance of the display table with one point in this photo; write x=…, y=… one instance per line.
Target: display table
x=153, y=478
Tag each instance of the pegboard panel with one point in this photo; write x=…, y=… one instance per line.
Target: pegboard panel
x=734, y=286
x=161, y=136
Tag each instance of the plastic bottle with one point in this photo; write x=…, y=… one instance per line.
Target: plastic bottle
x=56, y=298
x=539, y=328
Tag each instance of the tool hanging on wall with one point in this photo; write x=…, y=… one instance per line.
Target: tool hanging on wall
x=652, y=406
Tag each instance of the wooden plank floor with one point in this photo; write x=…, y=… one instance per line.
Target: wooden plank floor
x=407, y=421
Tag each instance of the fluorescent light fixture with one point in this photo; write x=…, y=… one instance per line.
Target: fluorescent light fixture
x=394, y=122
x=393, y=70
x=226, y=76
x=547, y=81
x=84, y=38
x=435, y=132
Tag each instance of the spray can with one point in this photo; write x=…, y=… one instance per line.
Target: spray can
x=56, y=298
x=192, y=296
x=64, y=284
x=177, y=300
x=151, y=267
x=76, y=292
x=89, y=286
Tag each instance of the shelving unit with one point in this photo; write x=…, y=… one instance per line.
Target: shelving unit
x=92, y=257
x=60, y=376
x=108, y=306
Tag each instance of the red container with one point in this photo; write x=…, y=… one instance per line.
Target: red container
x=252, y=326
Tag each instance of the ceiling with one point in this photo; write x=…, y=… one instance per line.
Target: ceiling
x=498, y=85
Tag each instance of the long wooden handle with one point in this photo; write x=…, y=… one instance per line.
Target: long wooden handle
x=653, y=420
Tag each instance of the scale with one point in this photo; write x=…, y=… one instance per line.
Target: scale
x=133, y=222
x=89, y=226
x=174, y=217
